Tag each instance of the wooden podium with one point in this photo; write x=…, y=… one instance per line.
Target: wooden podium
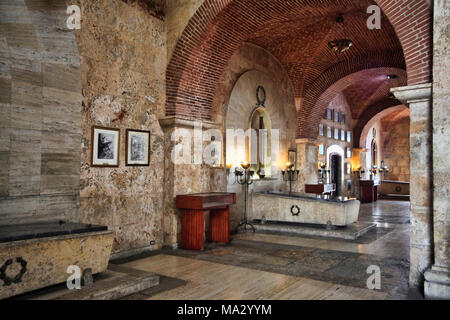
x=320, y=189
x=194, y=207
x=369, y=190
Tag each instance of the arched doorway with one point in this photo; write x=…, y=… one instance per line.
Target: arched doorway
x=335, y=157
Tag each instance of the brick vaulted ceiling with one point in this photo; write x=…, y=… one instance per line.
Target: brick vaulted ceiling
x=297, y=33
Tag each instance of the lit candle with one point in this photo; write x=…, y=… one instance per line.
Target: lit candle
x=245, y=165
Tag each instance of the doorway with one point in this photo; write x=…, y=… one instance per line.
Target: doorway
x=336, y=173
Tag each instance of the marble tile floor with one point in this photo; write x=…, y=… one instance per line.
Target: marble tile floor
x=306, y=263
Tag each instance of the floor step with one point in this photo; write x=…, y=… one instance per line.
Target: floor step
x=351, y=232
x=115, y=283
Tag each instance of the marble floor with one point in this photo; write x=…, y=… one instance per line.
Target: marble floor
x=270, y=266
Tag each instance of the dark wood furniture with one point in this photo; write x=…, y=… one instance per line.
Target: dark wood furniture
x=320, y=188
x=194, y=207
x=369, y=190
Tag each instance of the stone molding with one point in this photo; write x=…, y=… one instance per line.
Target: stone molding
x=182, y=122
x=413, y=94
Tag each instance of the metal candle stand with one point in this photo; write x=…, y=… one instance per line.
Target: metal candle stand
x=245, y=178
x=290, y=175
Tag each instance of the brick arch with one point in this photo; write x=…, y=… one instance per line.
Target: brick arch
x=218, y=27
x=336, y=79
x=379, y=111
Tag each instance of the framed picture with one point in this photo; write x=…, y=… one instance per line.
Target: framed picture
x=343, y=119
x=336, y=116
x=349, y=168
x=336, y=133
x=321, y=132
x=343, y=135
x=329, y=132
x=329, y=114
x=105, y=144
x=321, y=149
x=137, y=148
x=349, y=136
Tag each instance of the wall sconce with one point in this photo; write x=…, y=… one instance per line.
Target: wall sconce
x=290, y=174
x=359, y=172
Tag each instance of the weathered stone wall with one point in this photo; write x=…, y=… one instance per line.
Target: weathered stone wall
x=396, y=148
x=123, y=50
x=40, y=113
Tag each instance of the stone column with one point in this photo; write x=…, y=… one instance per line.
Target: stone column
x=191, y=175
x=437, y=280
x=418, y=98
x=307, y=163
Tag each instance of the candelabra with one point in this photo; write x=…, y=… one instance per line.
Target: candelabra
x=245, y=177
x=290, y=174
x=384, y=169
x=373, y=172
x=323, y=173
x=359, y=172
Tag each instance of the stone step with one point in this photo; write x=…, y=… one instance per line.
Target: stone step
x=117, y=282
x=351, y=232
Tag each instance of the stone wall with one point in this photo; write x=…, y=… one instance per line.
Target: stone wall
x=250, y=67
x=123, y=51
x=396, y=148
x=40, y=113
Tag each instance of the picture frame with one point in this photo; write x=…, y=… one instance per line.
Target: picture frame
x=105, y=147
x=329, y=132
x=343, y=135
x=321, y=130
x=137, y=148
x=349, y=136
x=336, y=134
x=343, y=119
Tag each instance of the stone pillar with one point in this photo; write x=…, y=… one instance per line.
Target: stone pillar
x=418, y=98
x=191, y=176
x=307, y=163
x=437, y=280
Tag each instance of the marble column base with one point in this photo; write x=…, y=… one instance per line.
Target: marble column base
x=437, y=283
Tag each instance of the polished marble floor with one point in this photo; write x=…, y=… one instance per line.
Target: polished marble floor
x=270, y=266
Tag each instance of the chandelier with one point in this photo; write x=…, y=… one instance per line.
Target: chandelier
x=340, y=45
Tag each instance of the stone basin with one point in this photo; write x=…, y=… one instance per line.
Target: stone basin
x=279, y=207
x=34, y=256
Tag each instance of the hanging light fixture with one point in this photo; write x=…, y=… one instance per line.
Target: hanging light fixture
x=340, y=45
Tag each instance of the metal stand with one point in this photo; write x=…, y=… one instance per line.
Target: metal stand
x=290, y=175
x=245, y=178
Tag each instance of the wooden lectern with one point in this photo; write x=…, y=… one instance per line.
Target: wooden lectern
x=194, y=207
x=369, y=190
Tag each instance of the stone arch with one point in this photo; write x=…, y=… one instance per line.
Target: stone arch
x=218, y=27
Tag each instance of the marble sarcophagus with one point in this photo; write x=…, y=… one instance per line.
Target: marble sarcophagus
x=34, y=256
x=279, y=207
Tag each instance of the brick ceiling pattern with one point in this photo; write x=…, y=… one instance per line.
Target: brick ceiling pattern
x=297, y=33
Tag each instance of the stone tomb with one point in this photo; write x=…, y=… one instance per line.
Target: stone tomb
x=38, y=255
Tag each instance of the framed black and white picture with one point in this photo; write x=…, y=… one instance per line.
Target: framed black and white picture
x=343, y=137
x=343, y=119
x=336, y=116
x=349, y=136
x=329, y=132
x=321, y=131
x=329, y=114
x=137, y=148
x=105, y=147
x=336, y=133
